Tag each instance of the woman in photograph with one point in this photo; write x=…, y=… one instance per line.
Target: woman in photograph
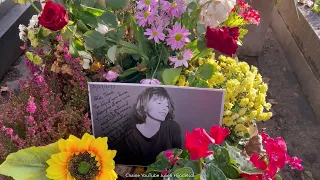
x=154, y=129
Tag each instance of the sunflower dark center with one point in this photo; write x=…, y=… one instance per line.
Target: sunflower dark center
x=83, y=167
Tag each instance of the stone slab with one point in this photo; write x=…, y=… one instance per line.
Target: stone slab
x=9, y=35
x=298, y=62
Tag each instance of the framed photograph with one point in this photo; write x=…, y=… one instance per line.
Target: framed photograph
x=141, y=120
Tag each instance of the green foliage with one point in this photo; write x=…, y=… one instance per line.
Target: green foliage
x=234, y=20
x=116, y=4
x=206, y=71
x=212, y=172
x=94, y=39
x=171, y=76
x=108, y=19
x=30, y=163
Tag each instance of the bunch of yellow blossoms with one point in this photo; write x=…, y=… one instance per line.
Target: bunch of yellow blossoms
x=245, y=98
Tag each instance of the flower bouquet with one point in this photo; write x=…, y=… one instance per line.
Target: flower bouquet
x=169, y=42
x=206, y=157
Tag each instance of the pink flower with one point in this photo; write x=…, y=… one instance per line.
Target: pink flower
x=30, y=119
x=146, y=4
x=31, y=107
x=175, y=9
x=150, y=81
x=163, y=20
x=219, y=133
x=181, y=60
x=295, y=163
x=169, y=154
x=111, y=76
x=59, y=38
x=258, y=162
x=164, y=172
x=178, y=37
x=276, y=150
x=9, y=131
x=144, y=17
x=197, y=143
x=39, y=79
x=155, y=33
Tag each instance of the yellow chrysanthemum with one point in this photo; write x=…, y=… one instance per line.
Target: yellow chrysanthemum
x=86, y=158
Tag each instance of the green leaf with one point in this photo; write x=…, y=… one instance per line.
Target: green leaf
x=30, y=163
x=185, y=173
x=112, y=53
x=66, y=33
x=221, y=155
x=128, y=72
x=96, y=12
x=201, y=29
x=230, y=171
x=143, y=42
x=243, y=164
x=212, y=172
x=194, y=165
x=94, y=39
x=234, y=20
x=82, y=26
x=158, y=166
x=197, y=177
x=200, y=84
x=116, y=4
x=206, y=71
x=192, y=5
x=202, y=44
x=88, y=19
x=278, y=177
x=73, y=50
x=88, y=3
x=108, y=19
x=171, y=76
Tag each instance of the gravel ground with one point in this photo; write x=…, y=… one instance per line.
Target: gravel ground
x=293, y=117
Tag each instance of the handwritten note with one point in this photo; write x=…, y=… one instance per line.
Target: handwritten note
x=111, y=111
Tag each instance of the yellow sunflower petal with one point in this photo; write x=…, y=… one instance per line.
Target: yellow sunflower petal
x=69, y=177
x=108, y=175
x=56, y=170
x=62, y=145
x=57, y=177
x=54, y=159
x=65, y=157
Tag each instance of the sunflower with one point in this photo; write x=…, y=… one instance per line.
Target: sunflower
x=82, y=159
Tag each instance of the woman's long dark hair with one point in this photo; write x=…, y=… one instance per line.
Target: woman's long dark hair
x=140, y=113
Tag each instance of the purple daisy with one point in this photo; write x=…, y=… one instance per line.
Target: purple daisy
x=175, y=9
x=144, y=17
x=155, y=33
x=147, y=4
x=178, y=36
x=181, y=60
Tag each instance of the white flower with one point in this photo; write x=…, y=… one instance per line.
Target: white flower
x=216, y=12
x=87, y=58
x=33, y=22
x=22, y=33
x=86, y=64
x=103, y=29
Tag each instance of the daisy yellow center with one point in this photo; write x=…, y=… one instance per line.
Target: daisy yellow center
x=155, y=34
x=146, y=14
x=148, y=2
x=83, y=166
x=178, y=37
x=175, y=5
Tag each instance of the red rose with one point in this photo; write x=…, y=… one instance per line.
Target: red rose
x=219, y=134
x=53, y=16
x=223, y=40
x=197, y=143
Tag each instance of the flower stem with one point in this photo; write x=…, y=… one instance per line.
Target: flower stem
x=34, y=6
x=158, y=63
x=200, y=164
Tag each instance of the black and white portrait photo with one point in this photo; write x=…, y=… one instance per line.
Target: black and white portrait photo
x=141, y=121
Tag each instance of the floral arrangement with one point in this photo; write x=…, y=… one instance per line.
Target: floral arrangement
x=206, y=157
x=245, y=99
x=169, y=42
x=210, y=157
